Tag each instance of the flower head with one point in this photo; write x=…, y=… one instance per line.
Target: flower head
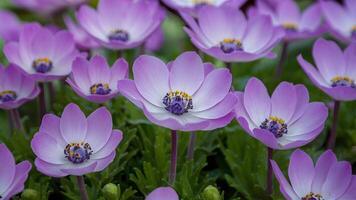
x=186, y=95
x=328, y=179
x=163, y=193
x=15, y=88
x=12, y=176
x=47, y=6
x=341, y=19
x=287, y=14
x=9, y=31
x=283, y=121
x=42, y=54
x=121, y=24
x=94, y=80
x=224, y=33
x=336, y=70
x=74, y=144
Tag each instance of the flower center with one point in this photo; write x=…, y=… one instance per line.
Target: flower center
x=353, y=32
x=100, y=89
x=7, y=95
x=42, y=65
x=199, y=3
x=290, y=27
x=275, y=125
x=78, y=152
x=119, y=35
x=312, y=196
x=178, y=102
x=342, y=81
x=229, y=45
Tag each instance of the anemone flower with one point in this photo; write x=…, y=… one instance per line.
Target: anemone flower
x=163, y=193
x=75, y=145
x=328, y=179
x=225, y=33
x=81, y=38
x=12, y=176
x=192, y=6
x=42, y=54
x=9, y=31
x=341, y=19
x=186, y=95
x=287, y=14
x=334, y=75
x=47, y=7
x=123, y=24
x=94, y=80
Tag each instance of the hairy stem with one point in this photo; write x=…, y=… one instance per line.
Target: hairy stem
x=332, y=136
x=82, y=190
x=174, y=152
x=191, y=146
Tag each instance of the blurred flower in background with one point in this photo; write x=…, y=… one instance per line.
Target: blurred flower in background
x=163, y=193
x=47, y=6
x=10, y=26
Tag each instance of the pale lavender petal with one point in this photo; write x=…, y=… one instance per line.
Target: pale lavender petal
x=7, y=168
x=51, y=126
x=163, y=193
x=350, y=192
x=322, y=168
x=284, y=185
x=47, y=149
x=111, y=145
x=266, y=137
x=73, y=124
x=302, y=102
x=350, y=57
x=283, y=101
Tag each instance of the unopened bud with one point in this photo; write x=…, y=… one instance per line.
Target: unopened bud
x=30, y=194
x=211, y=193
x=110, y=191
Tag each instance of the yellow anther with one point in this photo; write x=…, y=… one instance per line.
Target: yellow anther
x=232, y=41
x=276, y=119
x=289, y=25
x=196, y=2
x=342, y=78
x=179, y=93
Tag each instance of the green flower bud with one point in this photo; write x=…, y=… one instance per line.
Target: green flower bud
x=110, y=191
x=211, y=193
x=30, y=194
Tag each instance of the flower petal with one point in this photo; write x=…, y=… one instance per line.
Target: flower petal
x=73, y=124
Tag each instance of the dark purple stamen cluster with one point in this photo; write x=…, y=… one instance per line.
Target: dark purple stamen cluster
x=230, y=45
x=342, y=82
x=7, y=96
x=274, y=126
x=119, y=35
x=100, y=89
x=78, y=152
x=42, y=65
x=177, y=102
x=312, y=196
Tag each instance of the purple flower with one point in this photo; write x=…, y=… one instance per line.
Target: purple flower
x=94, y=80
x=155, y=41
x=163, y=193
x=12, y=176
x=74, y=144
x=42, y=54
x=15, y=88
x=329, y=179
x=47, y=6
x=82, y=39
x=336, y=70
x=186, y=95
x=287, y=14
x=121, y=24
x=224, y=33
x=192, y=7
x=9, y=31
x=341, y=19
x=283, y=121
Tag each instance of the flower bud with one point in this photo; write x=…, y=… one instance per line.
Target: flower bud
x=110, y=191
x=211, y=193
x=30, y=194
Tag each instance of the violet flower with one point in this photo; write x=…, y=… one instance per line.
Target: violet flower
x=42, y=54
x=226, y=34
x=9, y=31
x=15, y=88
x=283, y=121
x=186, y=95
x=74, y=144
x=123, y=24
x=94, y=80
x=12, y=176
x=336, y=70
x=155, y=41
x=341, y=19
x=82, y=39
x=328, y=179
x=47, y=6
x=163, y=193
x=287, y=14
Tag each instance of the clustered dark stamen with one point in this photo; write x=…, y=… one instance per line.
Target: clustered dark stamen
x=312, y=196
x=201, y=3
x=100, y=89
x=177, y=102
x=119, y=35
x=290, y=27
x=7, y=96
x=342, y=81
x=78, y=152
x=275, y=125
x=230, y=45
x=42, y=65
x=353, y=32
